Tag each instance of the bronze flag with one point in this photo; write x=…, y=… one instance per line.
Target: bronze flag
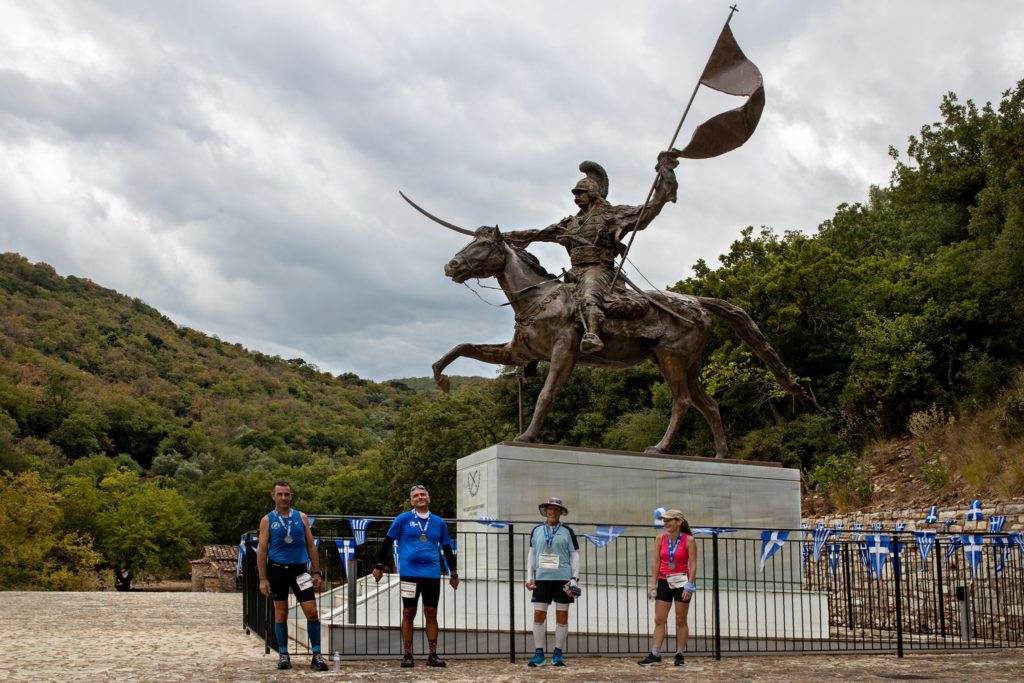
x=728, y=70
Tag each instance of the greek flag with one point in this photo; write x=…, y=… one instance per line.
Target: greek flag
x=856, y=528
x=346, y=551
x=487, y=520
x=974, y=511
x=819, y=525
x=972, y=549
x=806, y=551
x=311, y=520
x=658, y=512
x=954, y=543
x=837, y=531
x=864, y=557
x=241, y=555
x=925, y=543
x=876, y=526
x=604, y=535
x=359, y=529
x=1003, y=544
x=995, y=524
x=899, y=526
x=771, y=541
x=946, y=523
x=833, y=557
x=933, y=515
x=821, y=535
x=1017, y=539
x=708, y=530
x=878, y=548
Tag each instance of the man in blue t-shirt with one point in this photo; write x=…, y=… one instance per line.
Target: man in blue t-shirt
x=421, y=537
x=552, y=573
x=287, y=560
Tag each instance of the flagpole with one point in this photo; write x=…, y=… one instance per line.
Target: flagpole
x=632, y=235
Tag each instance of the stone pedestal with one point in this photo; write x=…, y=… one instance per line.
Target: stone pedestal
x=601, y=487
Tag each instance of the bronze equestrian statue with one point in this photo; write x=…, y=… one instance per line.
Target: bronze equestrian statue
x=554, y=318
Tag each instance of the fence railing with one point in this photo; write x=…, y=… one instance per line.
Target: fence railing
x=848, y=599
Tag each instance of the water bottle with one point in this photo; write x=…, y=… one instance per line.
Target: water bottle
x=337, y=660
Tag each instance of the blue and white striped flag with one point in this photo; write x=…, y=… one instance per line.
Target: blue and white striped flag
x=925, y=543
x=359, y=529
x=488, y=520
x=1017, y=539
x=806, y=551
x=821, y=535
x=972, y=549
x=878, y=549
x=833, y=557
x=604, y=535
x=995, y=524
x=658, y=512
x=974, y=513
x=899, y=526
x=346, y=551
x=933, y=515
x=771, y=541
x=954, y=543
x=865, y=559
x=1002, y=544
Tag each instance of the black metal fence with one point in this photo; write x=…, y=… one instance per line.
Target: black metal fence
x=844, y=598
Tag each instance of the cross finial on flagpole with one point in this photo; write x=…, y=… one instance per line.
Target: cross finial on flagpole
x=734, y=8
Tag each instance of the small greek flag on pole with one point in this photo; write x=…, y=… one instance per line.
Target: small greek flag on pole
x=974, y=511
x=933, y=515
x=995, y=523
x=899, y=526
x=972, y=549
x=946, y=523
x=821, y=535
x=925, y=543
x=359, y=529
x=241, y=556
x=658, y=512
x=771, y=541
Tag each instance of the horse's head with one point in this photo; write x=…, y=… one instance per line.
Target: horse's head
x=482, y=258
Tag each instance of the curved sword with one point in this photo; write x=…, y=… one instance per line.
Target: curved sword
x=435, y=218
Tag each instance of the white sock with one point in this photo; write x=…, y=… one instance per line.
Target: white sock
x=561, y=635
x=540, y=635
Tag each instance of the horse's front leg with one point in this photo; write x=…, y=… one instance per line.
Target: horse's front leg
x=498, y=354
x=563, y=360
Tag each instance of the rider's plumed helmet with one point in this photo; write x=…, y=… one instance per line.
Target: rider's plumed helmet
x=596, y=181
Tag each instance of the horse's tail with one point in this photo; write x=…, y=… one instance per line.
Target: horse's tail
x=750, y=333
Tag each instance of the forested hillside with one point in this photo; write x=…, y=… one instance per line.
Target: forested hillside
x=129, y=440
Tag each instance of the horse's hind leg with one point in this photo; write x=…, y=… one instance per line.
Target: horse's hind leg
x=708, y=407
x=672, y=367
x=498, y=354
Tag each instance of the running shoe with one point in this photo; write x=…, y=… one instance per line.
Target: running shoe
x=407, y=662
x=434, y=660
x=650, y=659
x=318, y=663
x=679, y=659
x=284, y=661
x=537, y=659
x=557, y=659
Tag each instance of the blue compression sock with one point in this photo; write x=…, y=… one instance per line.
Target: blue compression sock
x=281, y=631
x=313, y=629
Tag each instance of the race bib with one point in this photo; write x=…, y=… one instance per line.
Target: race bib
x=548, y=561
x=676, y=580
x=304, y=580
x=408, y=589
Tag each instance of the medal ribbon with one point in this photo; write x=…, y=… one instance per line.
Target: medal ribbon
x=423, y=529
x=287, y=526
x=549, y=533
x=672, y=548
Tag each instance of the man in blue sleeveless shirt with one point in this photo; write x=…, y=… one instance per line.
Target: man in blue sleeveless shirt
x=552, y=572
x=419, y=534
x=287, y=560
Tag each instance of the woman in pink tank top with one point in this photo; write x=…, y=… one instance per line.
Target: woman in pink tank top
x=673, y=573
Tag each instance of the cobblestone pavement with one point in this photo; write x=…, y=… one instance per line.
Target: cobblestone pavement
x=198, y=636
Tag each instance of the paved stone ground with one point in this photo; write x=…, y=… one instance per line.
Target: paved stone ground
x=199, y=637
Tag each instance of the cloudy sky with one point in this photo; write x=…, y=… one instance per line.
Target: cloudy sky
x=237, y=164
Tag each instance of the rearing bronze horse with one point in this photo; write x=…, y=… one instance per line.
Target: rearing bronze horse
x=672, y=334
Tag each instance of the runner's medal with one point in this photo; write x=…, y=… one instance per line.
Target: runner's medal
x=423, y=538
x=672, y=551
x=288, y=539
x=287, y=528
x=423, y=530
